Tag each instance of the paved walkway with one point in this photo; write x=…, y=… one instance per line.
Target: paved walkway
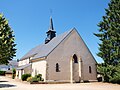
x=10, y=84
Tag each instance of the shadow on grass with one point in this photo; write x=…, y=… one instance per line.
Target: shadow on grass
x=6, y=85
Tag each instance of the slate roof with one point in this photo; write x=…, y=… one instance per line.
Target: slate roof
x=23, y=66
x=4, y=66
x=13, y=63
x=44, y=50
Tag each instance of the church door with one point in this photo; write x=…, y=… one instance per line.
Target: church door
x=75, y=69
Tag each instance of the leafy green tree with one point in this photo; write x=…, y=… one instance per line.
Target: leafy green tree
x=116, y=76
x=107, y=71
x=110, y=34
x=109, y=46
x=7, y=45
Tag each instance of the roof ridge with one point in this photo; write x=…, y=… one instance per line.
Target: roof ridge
x=59, y=42
x=43, y=50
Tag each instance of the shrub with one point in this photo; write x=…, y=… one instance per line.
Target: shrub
x=29, y=79
x=2, y=73
x=13, y=76
x=39, y=75
x=13, y=73
x=37, y=78
x=115, y=80
x=25, y=76
x=34, y=79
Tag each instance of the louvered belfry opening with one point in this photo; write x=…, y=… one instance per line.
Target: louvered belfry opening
x=51, y=33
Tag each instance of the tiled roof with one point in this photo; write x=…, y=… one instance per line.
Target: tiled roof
x=45, y=49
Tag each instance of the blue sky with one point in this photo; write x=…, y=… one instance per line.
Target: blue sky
x=30, y=20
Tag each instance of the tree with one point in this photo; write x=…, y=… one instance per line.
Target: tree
x=106, y=71
x=7, y=45
x=116, y=75
x=109, y=35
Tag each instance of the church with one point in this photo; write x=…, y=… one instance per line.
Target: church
x=64, y=58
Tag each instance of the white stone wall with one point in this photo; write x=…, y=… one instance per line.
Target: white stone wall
x=19, y=74
x=23, y=62
x=39, y=68
x=26, y=70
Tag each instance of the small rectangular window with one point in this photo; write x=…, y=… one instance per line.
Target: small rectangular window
x=57, y=67
x=90, y=70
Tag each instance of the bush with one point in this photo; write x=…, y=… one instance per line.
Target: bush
x=13, y=73
x=37, y=78
x=29, y=79
x=13, y=76
x=25, y=76
x=115, y=80
x=34, y=79
x=2, y=73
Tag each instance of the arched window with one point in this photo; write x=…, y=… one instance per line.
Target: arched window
x=57, y=67
x=75, y=58
x=90, y=70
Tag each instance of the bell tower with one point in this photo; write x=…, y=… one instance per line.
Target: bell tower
x=51, y=32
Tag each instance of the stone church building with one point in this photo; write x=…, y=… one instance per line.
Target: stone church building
x=64, y=58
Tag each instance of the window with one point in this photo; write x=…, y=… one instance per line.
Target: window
x=90, y=70
x=75, y=58
x=57, y=67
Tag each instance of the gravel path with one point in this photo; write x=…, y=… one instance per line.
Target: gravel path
x=9, y=84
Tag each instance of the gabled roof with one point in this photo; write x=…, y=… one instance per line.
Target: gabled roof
x=23, y=66
x=44, y=50
x=4, y=66
x=13, y=63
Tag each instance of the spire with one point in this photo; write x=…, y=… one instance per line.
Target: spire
x=51, y=32
x=51, y=25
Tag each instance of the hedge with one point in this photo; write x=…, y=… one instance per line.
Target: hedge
x=2, y=73
x=25, y=76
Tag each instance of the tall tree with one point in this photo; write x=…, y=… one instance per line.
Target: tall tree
x=7, y=45
x=109, y=34
x=109, y=47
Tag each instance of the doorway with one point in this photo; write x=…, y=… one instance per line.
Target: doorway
x=75, y=65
